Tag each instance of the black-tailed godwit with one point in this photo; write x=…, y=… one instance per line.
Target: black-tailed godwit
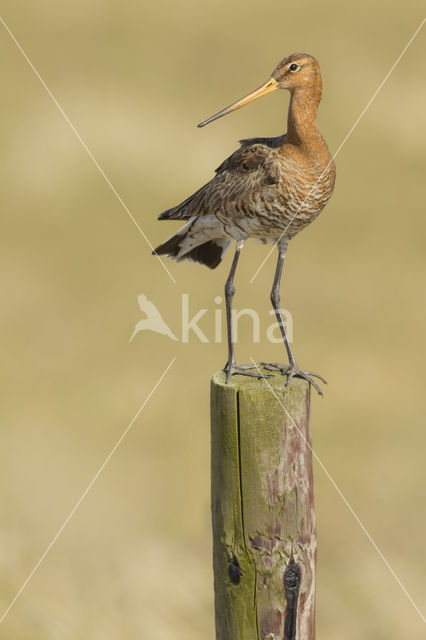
x=269, y=189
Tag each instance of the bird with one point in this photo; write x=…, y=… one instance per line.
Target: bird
x=269, y=189
x=153, y=321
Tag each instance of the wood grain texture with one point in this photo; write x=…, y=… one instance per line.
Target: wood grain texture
x=262, y=507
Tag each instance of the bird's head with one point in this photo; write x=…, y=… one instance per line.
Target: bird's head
x=297, y=72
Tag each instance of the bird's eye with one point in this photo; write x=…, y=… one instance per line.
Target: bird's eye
x=294, y=67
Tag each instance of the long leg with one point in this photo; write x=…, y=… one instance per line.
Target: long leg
x=293, y=369
x=229, y=294
x=231, y=368
x=276, y=300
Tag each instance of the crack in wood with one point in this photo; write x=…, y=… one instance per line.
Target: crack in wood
x=292, y=576
x=234, y=571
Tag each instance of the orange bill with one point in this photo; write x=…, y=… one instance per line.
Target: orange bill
x=268, y=87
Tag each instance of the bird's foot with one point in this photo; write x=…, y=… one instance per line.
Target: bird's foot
x=242, y=370
x=293, y=371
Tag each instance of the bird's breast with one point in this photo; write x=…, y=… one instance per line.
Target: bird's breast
x=302, y=191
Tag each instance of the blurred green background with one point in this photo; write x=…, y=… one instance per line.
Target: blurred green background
x=134, y=78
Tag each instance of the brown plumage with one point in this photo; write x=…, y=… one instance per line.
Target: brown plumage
x=269, y=189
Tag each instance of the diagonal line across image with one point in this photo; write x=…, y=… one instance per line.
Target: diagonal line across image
x=345, y=139
x=345, y=500
x=86, y=148
x=88, y=488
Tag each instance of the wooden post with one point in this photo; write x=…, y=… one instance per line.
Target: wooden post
x=264, y=539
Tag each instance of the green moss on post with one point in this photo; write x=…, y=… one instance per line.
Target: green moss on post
x=262, y=509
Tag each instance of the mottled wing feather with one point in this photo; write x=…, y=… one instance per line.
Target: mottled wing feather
x=245, y=170
x=251, y=155
x=183, y=210
x=272, y=143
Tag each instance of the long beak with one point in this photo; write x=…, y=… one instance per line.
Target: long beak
x=268, y=87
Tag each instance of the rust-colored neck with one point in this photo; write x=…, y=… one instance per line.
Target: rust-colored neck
x=302, y=128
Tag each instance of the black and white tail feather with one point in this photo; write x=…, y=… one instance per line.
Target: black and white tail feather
x=194, y=241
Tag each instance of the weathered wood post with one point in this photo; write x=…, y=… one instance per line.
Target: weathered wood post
x=264, y=539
